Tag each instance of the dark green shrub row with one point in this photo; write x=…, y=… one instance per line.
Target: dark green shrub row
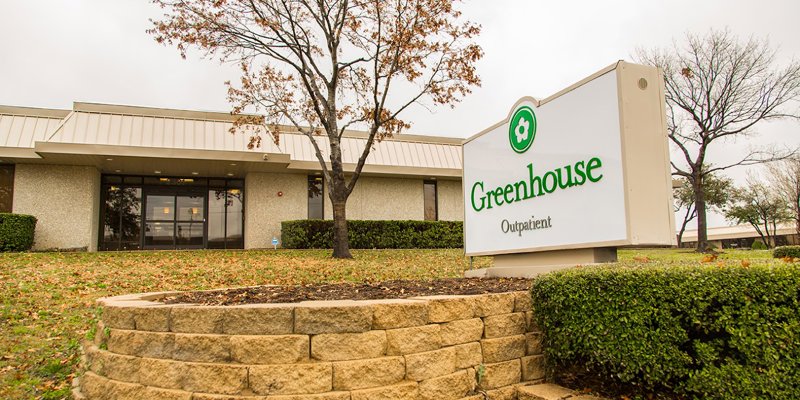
x=318, y=234
x=16, y=231
x=786, y=251
x=700, y=332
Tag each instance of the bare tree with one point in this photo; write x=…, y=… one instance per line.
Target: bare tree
x=760, y=205
x=718, y=192
x=785, y=177
x=719, y=88
x=325, y=66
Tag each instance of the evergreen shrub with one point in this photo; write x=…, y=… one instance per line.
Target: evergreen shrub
x=699, y=332
x=16, y=231
x=786, y=251
x=318, y=234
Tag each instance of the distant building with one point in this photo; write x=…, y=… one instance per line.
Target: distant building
x=741, y=236
x=110, y=177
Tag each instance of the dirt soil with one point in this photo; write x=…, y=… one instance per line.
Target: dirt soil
x=396, y=289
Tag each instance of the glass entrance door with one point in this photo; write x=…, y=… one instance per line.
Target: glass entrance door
x=148, y=212
x=175, y=218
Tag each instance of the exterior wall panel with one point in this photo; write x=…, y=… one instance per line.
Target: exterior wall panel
x=264, y=209
x=399, y=199
x=383, y=198
x=451, y=200
x=64, y=200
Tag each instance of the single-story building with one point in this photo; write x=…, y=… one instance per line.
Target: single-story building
x=112, y=177
x=741, y=236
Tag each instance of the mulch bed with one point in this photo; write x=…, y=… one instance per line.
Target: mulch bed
x=396, y=289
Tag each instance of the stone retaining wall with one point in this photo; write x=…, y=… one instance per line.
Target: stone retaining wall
x=439, y=347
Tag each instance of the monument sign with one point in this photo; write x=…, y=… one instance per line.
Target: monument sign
x=568, y=179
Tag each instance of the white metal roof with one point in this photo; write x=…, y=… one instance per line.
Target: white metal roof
x=23, y=131
x=141, y=127
x=151, y=131
x=386, y=153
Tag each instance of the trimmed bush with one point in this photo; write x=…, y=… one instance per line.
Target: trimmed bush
x=700, y=332
x=318, y=234
x=758, y=245
x=16, y=231
x=786, y=251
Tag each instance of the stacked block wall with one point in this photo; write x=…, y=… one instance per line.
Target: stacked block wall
x=439, y=347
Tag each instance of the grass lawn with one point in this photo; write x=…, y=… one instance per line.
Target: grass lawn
x=48, y=298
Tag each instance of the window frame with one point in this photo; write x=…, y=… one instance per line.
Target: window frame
x=314, y=178
x=435, y=199
x=145, y=183
x=13, y=170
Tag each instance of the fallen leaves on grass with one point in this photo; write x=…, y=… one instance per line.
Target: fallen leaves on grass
x=708, y=258
x=48, y=298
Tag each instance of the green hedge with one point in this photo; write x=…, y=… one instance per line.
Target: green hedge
x=786, y=251
x=16, y=231
x=700, y=332
x=318, y=234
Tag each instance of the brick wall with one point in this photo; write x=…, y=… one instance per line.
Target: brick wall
x=440, y=347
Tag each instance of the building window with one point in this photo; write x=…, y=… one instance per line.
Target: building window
x=171, y=212
x=431, y=203
x=6, y=188
x=122, y=217
x=226, y=216
x=316, y=198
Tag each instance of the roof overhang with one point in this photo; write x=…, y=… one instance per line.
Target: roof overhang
x=166, y=161
x=50, y=148
x=18, y=154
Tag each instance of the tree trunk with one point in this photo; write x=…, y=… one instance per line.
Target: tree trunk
x=797, y=228
x=797, y=218
x=772, y=236
x=338, y=195
x=686, y=219
x=700, y=207
x=680, y=233
x=341, y=244
x=337, y=190
x=767, y=238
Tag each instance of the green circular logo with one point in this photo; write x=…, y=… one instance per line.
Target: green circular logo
x=522, y=129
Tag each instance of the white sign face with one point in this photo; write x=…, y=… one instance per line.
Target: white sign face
x=549, y=176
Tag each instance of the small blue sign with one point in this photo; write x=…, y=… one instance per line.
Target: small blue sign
x=274, y=241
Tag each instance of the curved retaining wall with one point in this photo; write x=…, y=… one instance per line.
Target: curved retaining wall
x=438, y=347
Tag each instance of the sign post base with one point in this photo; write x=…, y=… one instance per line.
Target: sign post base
x=527, y=265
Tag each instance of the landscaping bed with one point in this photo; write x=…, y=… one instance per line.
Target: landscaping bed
x=351, y=291
x=427, y=347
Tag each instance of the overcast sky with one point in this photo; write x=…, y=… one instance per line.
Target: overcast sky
x=57, y=52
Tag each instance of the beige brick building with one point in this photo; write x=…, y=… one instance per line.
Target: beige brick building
x=109, y=177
